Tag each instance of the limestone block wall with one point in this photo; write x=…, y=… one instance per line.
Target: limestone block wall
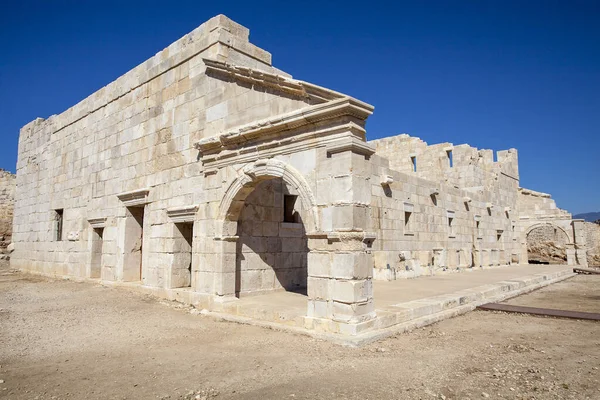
x=538, y=212
x=427, y=227
x=460, y=166
x=592, y=232
x=136, y=133
x=7, y=198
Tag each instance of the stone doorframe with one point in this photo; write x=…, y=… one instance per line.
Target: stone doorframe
x=231, y=206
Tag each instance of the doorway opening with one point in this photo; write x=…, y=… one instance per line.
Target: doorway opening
x=272, y=248
x=96, y=262
x=181, y=273
x=134, y=243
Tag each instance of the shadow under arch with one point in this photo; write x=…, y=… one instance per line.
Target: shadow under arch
x=241, y=187
x=285, y=257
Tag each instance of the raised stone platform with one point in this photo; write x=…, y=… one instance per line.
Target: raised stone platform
x=401, y=305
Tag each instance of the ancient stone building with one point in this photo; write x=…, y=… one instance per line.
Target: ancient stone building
x=7, y=199
x=208, y=174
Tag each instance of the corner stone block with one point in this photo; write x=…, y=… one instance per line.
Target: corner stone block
x=355, y=265
x=319, y=264
x=352, y=292
x=318, y=309
x=319, y=288
x=350, y=217
x=353, y=313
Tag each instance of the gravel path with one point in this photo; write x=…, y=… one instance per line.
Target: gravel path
x=66, y=340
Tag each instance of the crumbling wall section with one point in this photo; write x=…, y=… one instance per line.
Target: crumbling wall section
x=7, y=200
x=592, y=232
x=427, y=227
x=461, y=166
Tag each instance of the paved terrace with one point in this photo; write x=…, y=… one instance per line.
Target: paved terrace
x=407, y=303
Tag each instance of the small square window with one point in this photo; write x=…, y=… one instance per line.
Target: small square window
x=289, y=214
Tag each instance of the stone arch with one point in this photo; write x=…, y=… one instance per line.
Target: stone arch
x=250, y=176
x=229, y=237
x=550, y=243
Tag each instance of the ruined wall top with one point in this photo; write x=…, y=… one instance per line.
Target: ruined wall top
x=217, y=30
x=462, y=166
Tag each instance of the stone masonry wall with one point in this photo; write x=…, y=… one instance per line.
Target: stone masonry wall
x=461, y=166
x=592, y=231
x=135, y=133
x=7, y=198
x=427, y=227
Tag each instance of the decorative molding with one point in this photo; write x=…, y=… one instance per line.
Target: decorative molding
x=252, y=174
x=97, y=222
x=285, y=84
x=530, y=192
x=467, y=199
x=352, y=144
x=386, y=180
x=288, y=143
x=408, y=207
x=265, y=129
x=135, y=197
x=182, y=214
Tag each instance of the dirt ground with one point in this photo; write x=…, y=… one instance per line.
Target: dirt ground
x=66, y=340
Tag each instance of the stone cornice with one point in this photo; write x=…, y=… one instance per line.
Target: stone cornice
x=134, y=198
x=182, y=214
x=266, y=128
x=97, y=222
x=262, y=78
x=286, y=144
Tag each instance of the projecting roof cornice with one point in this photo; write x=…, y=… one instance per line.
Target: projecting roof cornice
x=265, y=129
x=266, y=79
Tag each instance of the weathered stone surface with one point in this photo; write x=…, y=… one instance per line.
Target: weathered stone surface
x=7, y=198
x=207, y=168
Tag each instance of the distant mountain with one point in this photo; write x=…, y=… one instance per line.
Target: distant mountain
x=589, y=217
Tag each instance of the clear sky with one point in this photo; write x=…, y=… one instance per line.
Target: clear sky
x=493, y=74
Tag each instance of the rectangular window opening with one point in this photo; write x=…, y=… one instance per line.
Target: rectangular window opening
x=450, y=161
x=413, y=161
x=451, y=226
x=58, y=227
x=499, y=234
x=289, y=203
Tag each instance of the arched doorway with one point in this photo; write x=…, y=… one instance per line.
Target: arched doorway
x=272, y=246
x=265, y=217
x=547, y=244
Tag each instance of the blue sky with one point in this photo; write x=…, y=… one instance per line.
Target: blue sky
x=494, y=74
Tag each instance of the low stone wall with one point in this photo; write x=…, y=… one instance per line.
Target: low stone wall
x=592, y=233
x=7, y=200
